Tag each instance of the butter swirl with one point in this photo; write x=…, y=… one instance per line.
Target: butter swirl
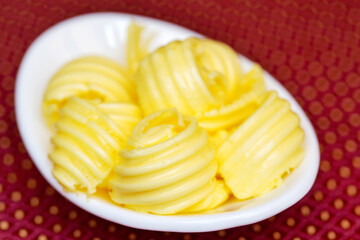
x=86, y=144
x=232, y=114
x=91, y=77
x=168, y=165
x=194, y=75
x=260, y=152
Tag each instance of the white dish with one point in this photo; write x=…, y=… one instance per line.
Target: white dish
x=105, y=34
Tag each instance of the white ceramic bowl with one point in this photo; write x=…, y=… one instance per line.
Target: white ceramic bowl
x=105, y=34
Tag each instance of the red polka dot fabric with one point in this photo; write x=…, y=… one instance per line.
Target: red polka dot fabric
x=311, y=47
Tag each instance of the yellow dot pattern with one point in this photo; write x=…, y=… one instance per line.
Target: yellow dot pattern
x=311, y=47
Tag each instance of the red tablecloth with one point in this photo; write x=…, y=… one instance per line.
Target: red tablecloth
x=311, y=47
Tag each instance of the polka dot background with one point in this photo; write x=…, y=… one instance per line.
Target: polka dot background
x=311, y=47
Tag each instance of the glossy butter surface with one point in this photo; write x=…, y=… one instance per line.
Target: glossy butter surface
x=257, y=156
x=90, y=77
x=88, y=138
x=194, y=75
x=168, y=166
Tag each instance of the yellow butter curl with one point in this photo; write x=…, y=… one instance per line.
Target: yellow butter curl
x=167, y=167
x=260, y=152
x=90, y=77
x=86, y=145
x=248, y=100
x=194, y=75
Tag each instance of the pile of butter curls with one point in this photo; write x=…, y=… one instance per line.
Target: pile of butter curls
x=178, y=130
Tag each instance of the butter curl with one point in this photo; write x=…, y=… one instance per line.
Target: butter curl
x=168, y=165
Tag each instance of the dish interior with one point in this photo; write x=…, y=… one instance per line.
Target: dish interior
x=105, y=34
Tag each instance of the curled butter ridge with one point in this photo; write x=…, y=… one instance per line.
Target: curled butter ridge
x=86, y=145
x=167, y=166
x=90, y=77
x=259, y=153
x=194, y=75
x=232, y=114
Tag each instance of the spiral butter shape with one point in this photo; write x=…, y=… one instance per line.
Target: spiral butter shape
x=255, y=158
x=232, y=114
x=90, y=77
x=168, y=165
x=86, y=145
x=194, y=75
